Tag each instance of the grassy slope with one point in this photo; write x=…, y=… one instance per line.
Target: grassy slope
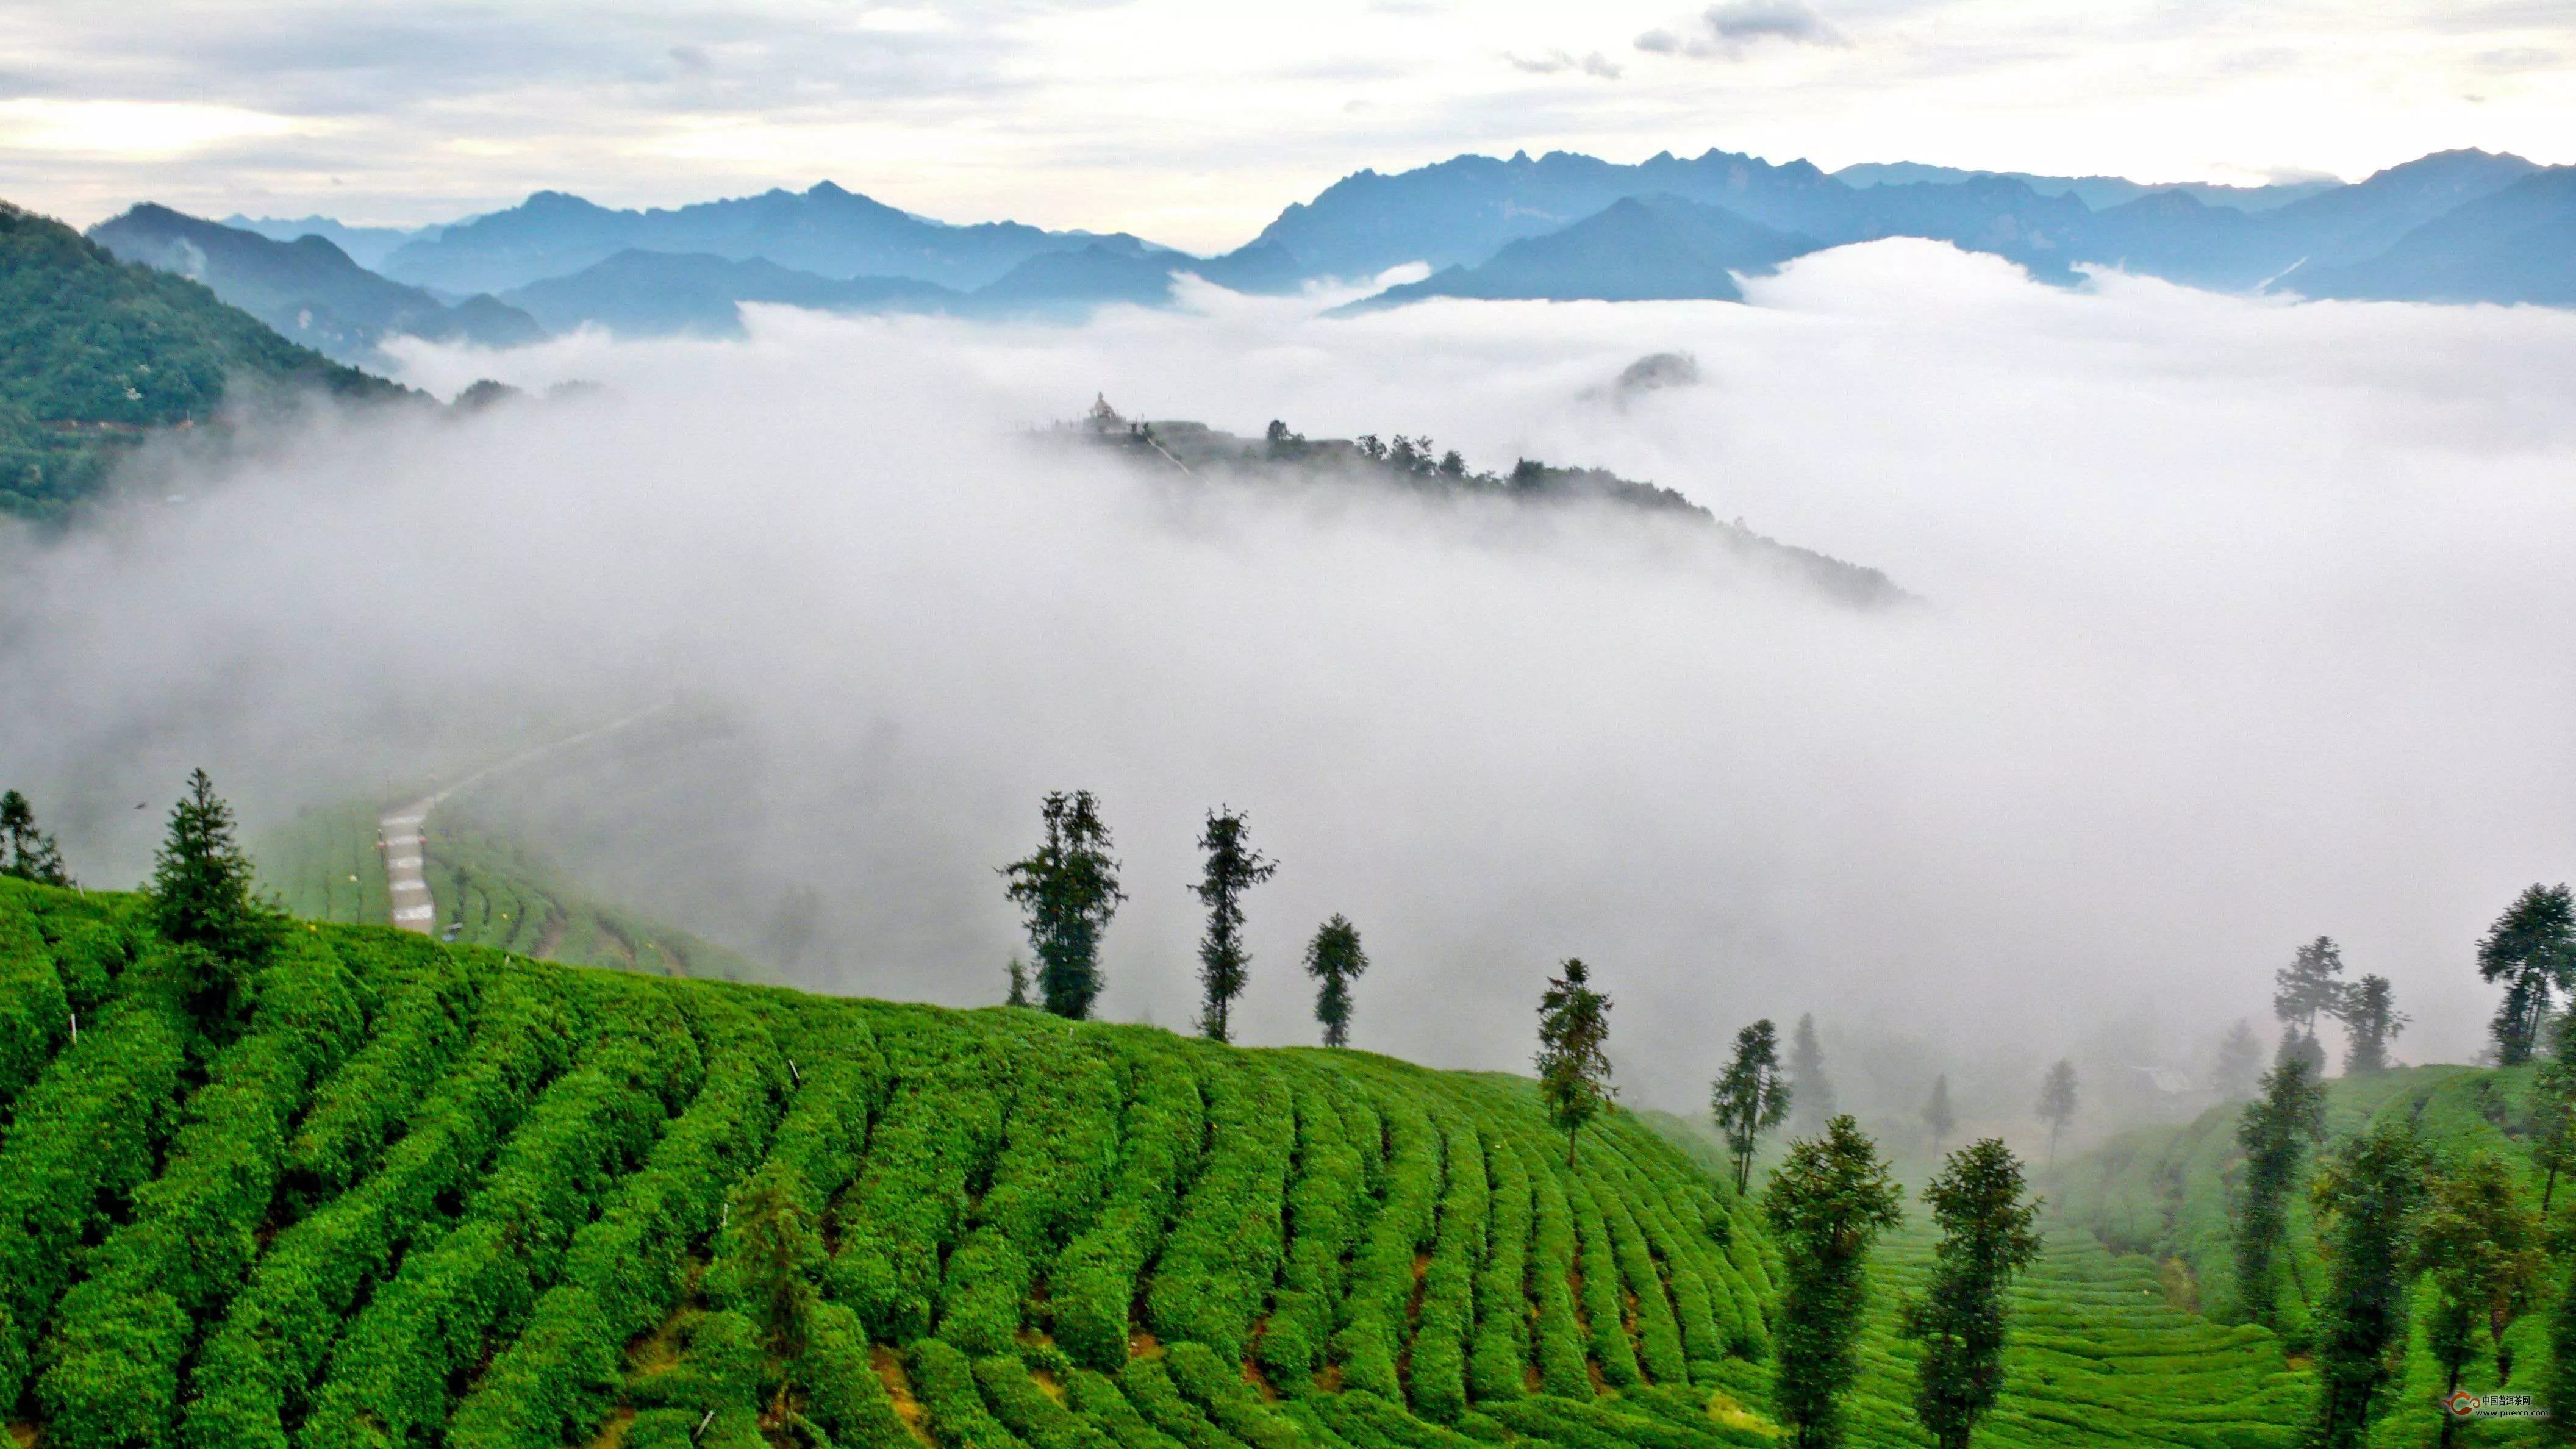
x=447, y=1195
x=2165, y=1193
x=95, y=352
x=325, y=866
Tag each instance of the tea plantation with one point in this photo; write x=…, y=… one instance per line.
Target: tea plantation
x=429, y=1195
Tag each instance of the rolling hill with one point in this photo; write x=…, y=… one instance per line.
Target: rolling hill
x=424, y=1194
x=98, y=354
x=308, y=289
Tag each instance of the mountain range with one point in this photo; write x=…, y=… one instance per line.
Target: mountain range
x=2456, y=226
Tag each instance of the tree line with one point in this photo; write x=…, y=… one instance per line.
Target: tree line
x=1067, y=891
x=1827, y=1203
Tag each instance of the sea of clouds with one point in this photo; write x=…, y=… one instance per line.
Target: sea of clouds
x=2238, y=622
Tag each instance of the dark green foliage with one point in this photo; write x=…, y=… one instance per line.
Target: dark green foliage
x=2531, y=948
x=2310, y=986
x=843, y=1394
x=27, y=853
x=1573, y=1067
x=1380, y=1283
x=1233, y=867
x=94, y=352
x=1752, y=1097
x=2481, y=1248
x=201, y=901
x=35, y=1011
x=1437, y=1369
x=1025, y=1409
x=1335, y=960
x=2273, y=1133
x=2367, y=1196
x=1825, y=1205
x=1962, y=1318
x=1938, y=1117
x=1499, y=1358
x=2371, y=1020
x=2552, y=1129
x=1068, y=890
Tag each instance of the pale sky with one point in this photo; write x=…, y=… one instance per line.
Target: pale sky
x=1193, y=122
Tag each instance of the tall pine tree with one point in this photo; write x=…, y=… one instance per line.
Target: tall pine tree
x=1938, y=1118
x=1751, y=1098
x=2367, y=1197
x=1068, y=890
x=2057, y=1103
x=2371, y=1021
x=25, y=851
x=1827, y=1203
x=2531, y=948
x=1573, y=1061
x=1232, y=868
x=2274, y=1134
x=1962, y=1319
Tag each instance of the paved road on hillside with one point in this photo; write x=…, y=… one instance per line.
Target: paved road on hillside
x=405, y=876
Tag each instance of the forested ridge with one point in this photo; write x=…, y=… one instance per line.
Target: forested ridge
x=96, y=353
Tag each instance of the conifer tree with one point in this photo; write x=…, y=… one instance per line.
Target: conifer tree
x=202, y=901
x=26, y=852
x=2310, y=986
x=1068, y=890
x=2482, y=1248
x=1019, y=983
x=1573, y=1065
x=1751, y=1098
x=1962, y=1318
x=2371, y=1021
x=1826, y=1204
x=2057, y=1102
x=2303, y=1049
x=2240, y=1062
x=2274, y=1134
x=1335, y=960
x=2531, y=948
x=1938, y=1119
x=1233, y=867
x=2367, y=1197
x=1811, y=1092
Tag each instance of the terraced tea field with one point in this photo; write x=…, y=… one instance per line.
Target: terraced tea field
x=431, y=1195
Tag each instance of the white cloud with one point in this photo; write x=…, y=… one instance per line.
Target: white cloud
x=2244, y=624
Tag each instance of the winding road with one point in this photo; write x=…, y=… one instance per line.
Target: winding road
x=406, y=878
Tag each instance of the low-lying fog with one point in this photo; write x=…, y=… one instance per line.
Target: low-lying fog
x=2243, y=622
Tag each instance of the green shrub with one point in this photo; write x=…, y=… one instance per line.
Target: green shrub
x=1094, y=1281
x=938, y=1133
x=945, y=1380
x=1223, y=1252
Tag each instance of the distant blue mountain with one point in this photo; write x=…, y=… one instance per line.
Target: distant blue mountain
x=2098, y=192
x=368, y=246
x=1635, y=249
x=825, y=230
x=2512, y=245
x=651, y=294
x=308, y=289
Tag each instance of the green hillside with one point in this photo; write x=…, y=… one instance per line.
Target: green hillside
x=97, y=354
x=430, y=1195
x=324, y=865
x=2166, y=1194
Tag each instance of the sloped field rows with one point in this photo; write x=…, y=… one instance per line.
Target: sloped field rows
x=431, y=1195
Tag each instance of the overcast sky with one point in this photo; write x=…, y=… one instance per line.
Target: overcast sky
x=1193, y=122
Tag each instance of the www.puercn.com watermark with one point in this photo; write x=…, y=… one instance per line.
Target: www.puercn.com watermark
x=2466, y=1405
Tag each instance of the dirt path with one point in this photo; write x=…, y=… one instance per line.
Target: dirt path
x=406, y=879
